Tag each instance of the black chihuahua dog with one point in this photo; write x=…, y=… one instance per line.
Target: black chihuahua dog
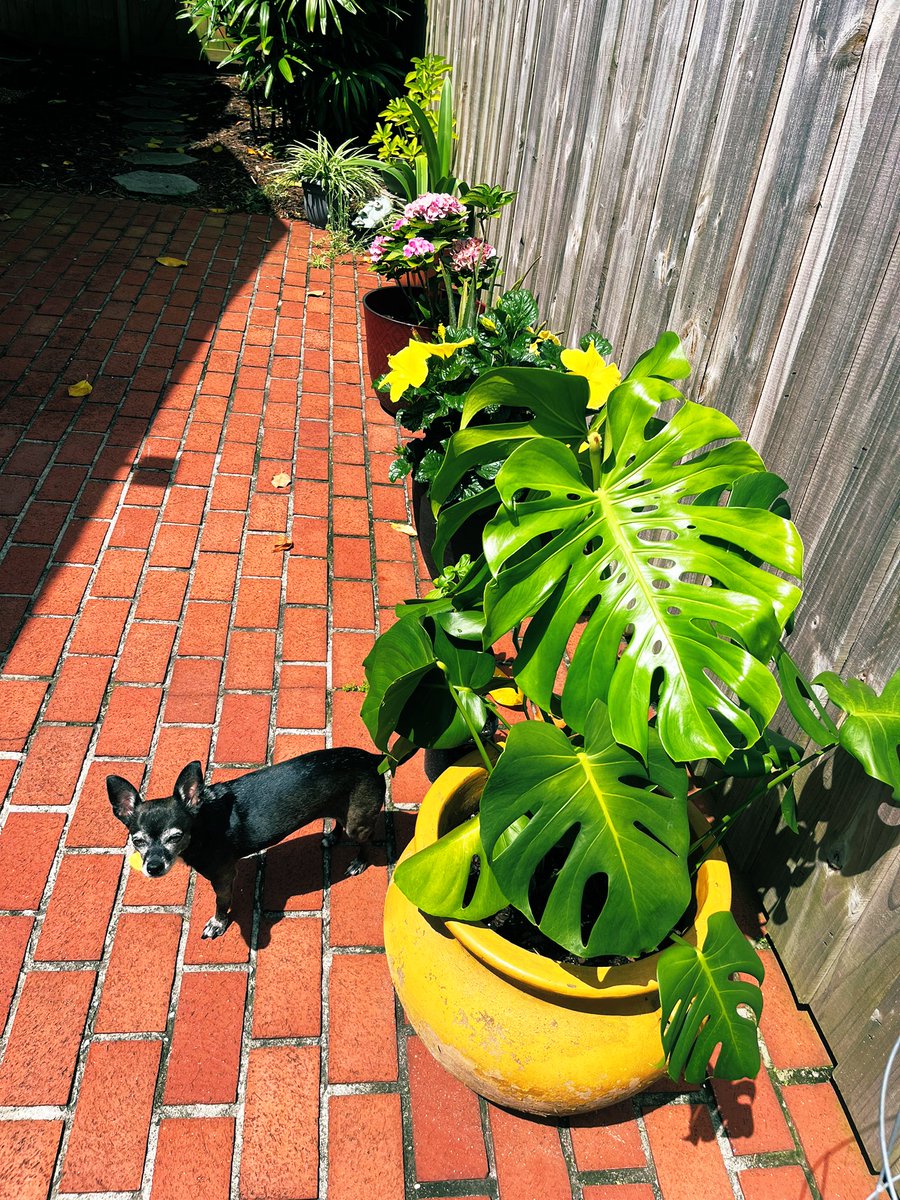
x=211, y=828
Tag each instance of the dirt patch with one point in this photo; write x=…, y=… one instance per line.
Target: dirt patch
x=71, y=126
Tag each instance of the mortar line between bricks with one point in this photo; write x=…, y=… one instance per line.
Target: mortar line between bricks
x=723, y=1142
x=411, y=1187
x=325, y=1087
x=153, y=1134
x=568, y=1154
x=88, y=1032
x=244, y=1054
x=278, y=657
x=28, y=961
x=103, y=962
x=777, y=1087
x=98, y=1195
x=246, y=1034
x=492, y=1183
x=638, y=1116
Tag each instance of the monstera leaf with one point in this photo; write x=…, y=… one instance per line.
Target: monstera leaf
x=638, y=538
x=700, y=1004
x=559, y=404
x=437, y=878
x=419, y=679
x=871, y=729
x=611, y=820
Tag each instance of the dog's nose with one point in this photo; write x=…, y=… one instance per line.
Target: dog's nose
x=155, y=868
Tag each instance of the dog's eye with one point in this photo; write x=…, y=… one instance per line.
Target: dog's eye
x=139, y=840
x=172, y=835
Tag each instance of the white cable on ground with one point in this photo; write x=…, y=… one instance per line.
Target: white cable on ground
x=887, y=1181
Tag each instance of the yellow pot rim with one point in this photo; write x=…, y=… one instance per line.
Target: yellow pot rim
x=712, y=885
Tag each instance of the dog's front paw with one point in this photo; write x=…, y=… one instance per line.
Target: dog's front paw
x=357, y=867
x=216, y=926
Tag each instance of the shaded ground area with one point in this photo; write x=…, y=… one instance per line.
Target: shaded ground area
x=66, y=125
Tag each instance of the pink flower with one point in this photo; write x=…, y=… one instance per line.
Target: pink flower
x=469, y=254
x=398, y=224
x=378, y=247
x=434, y=206
x=417, y=247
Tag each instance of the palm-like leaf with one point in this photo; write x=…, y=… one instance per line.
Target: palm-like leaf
x=629, y=824
x=702, y=616
x=700, y=1000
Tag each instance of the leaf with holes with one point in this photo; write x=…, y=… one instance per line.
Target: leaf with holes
x=595, y=816
x=558, y=405
x=439, y=878
x=629, y=540
x=701, y=1004
x=871, y=729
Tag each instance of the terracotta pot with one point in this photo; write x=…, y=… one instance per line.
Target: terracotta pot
x=390, y=323
x=518, y=1028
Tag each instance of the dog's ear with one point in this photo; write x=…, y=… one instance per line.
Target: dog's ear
x=122, y=796
x=189, y=785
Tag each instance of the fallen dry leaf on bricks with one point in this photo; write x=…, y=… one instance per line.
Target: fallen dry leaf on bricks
x=401, y=528
x=316, y=293
x=282, y=544
x=281, y=480
x=165, y=261
x=82, y=388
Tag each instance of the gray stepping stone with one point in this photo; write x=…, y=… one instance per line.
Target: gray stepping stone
x=151, y=127
x=159, y=158
x=138, y=141
x=137, y=112
x=139, y=99
x=156, y=183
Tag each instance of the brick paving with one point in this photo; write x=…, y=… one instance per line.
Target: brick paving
x=150, y=619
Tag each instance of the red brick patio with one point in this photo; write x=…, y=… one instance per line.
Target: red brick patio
x=151, y=620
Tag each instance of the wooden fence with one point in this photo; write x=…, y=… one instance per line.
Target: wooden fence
x=728, y=169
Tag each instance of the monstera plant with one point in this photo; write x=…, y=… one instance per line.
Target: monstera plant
x=639, y=574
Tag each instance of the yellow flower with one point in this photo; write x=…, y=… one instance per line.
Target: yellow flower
x=445, y=349
x=409, y=366
x=601, y=376
x=488, y=324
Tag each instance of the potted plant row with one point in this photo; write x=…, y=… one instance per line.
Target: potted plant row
x=430, y=240
x=427, y=385
x=336, y=180
x=559, y=931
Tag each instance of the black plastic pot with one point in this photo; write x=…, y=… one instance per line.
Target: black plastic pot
x=315, y=203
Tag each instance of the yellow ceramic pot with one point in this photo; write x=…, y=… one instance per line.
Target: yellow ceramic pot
x=515, y=1027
